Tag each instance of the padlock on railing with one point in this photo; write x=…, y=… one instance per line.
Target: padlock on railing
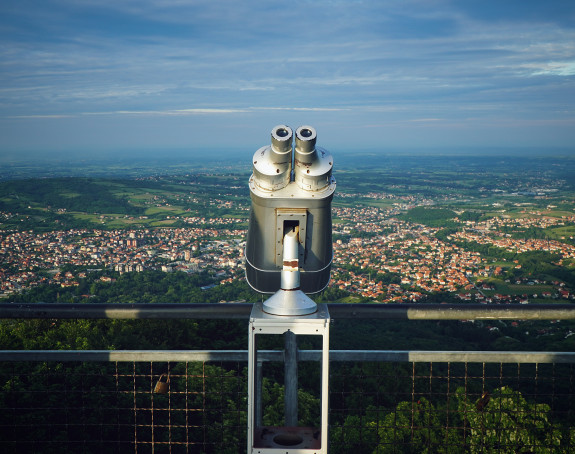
x=162, y=384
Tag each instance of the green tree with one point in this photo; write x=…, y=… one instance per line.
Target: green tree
x=273, y=398
x=414, y=427
x=501, y=422
x=505, y=422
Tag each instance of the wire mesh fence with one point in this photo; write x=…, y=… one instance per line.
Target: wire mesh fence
x=375, y=407
x=116, y=407
x=452, y=407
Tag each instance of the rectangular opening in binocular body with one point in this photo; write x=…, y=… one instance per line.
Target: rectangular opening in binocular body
x=290, y=190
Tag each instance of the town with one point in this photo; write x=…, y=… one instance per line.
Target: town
x=377, y=255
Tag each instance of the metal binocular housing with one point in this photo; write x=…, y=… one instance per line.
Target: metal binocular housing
x=291, y=189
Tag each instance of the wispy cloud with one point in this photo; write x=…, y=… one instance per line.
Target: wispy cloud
x=418, y=61
x=301, y=109
x=35, y=117
x=556, y=69
x=183, y=112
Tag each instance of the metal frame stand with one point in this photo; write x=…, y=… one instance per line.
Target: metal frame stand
x=289, y=439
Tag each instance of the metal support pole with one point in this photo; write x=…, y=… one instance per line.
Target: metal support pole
x=258, y=397
x=291, y=379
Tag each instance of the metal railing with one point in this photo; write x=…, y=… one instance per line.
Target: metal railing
x=230, y=311
x=380, y=400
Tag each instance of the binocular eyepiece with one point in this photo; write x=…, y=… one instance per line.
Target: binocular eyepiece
x=291, y=190
x=277, y=165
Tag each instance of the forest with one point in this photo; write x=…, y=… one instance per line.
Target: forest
x=370, y=413
x=179, y=287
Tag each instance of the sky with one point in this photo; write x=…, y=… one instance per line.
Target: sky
x=89, y=76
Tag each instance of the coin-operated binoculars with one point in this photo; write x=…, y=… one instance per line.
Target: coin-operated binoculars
x=289, y=253
x=290, y=223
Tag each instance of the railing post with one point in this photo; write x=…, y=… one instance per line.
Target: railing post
x=291, y=379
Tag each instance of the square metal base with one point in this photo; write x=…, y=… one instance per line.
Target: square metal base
x=287, y=440
x=263, y=323
x=287, y=437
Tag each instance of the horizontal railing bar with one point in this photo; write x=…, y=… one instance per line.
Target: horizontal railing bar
x=128, y=355
x=454, y=311
x=452, y=356
x=126, y=311
x=277, y=355
x=243, y=310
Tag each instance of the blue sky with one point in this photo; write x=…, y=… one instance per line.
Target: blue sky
x=105, y=75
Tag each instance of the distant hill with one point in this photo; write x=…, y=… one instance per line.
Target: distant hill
x=71, y=194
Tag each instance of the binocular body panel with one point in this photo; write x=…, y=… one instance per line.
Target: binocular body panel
x=270, y=217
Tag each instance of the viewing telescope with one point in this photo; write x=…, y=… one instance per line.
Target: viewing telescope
x=289, y=241
x=289, y=253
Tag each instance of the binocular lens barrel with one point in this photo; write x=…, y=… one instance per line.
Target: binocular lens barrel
x=282, y=139
x=305, y=138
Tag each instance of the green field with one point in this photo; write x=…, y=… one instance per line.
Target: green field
x=561, y=233
x=78, y=202
x=486, y=186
